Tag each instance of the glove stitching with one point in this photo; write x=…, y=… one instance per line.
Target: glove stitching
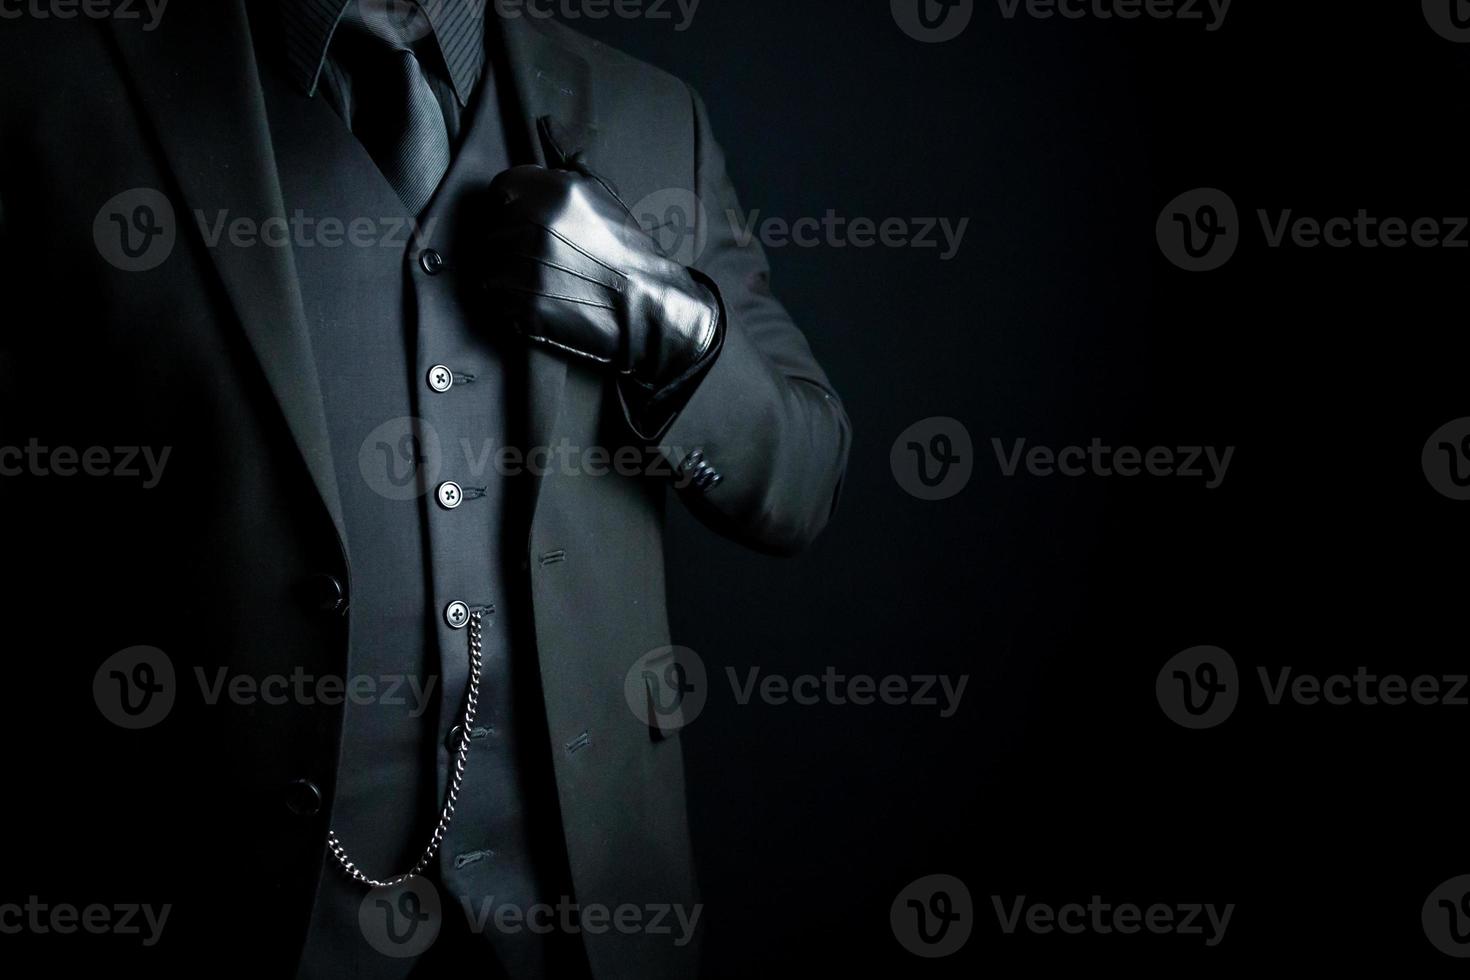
x=507, y=287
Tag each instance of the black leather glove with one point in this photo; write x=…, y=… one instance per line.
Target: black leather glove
x=568, y=265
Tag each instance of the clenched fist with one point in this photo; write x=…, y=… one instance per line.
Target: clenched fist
x=568, y=265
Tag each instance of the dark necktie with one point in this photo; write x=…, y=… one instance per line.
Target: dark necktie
x=394, y=111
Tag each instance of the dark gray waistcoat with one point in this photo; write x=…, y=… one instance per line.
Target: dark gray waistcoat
x=428, y=509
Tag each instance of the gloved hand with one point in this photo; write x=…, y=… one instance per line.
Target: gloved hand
x=568, y=265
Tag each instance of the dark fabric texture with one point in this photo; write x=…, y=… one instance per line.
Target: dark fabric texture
x=353, y=298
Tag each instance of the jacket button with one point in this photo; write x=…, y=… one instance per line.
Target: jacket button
x=449, y=494
x=303, y=798
x=441, y=378
x=431, y=261
x=327, y=593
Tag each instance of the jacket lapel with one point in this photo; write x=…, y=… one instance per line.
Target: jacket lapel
x=199, y=86
x=196, y=78
x=550, y=118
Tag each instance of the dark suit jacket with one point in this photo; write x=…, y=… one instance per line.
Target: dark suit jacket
x=206, y=355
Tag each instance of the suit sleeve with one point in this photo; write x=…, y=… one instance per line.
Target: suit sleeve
x=764, y=417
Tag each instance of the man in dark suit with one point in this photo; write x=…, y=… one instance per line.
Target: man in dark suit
x=365, y=285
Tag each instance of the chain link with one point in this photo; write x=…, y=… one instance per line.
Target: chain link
x=471, y=703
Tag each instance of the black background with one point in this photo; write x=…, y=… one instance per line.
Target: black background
x=1325, y=549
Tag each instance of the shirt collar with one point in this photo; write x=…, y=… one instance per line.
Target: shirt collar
x=459, y=31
